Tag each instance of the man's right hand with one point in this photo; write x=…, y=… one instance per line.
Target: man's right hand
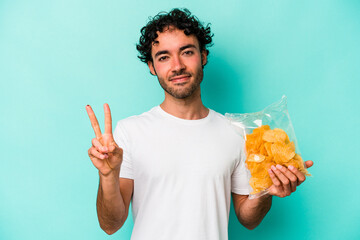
x=104, y=153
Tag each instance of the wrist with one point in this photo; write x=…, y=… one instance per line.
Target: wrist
x=115, y=172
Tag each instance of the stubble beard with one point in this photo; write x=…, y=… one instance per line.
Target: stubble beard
x=183, y=92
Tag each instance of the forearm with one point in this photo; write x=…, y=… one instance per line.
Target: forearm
x=252, y=211
x=110, y=204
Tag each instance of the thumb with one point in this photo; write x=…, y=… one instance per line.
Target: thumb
x=113, y=147
x=309, y=163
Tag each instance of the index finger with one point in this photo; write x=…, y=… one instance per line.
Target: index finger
x=94, y=121
x=299, y=175
x=108, y=121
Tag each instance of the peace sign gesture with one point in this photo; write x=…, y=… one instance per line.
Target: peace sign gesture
x=104, y=153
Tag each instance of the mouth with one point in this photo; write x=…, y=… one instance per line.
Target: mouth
x=179, y=79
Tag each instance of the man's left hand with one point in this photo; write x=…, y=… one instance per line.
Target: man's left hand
x=285, y=180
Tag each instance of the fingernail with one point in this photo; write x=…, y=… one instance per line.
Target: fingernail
x=279, y=166
x=273, y=167
x=104, y=148
x=102, y=156
x=291, y=167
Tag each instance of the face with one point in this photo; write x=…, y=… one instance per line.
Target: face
x=177, y=63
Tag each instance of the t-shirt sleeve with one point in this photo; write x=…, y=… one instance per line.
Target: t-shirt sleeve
x=240, y=177
x=122, y=140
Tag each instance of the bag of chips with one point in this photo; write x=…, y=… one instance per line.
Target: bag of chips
x=269, y=140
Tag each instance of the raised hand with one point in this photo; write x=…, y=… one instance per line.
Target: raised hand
x=104, y=153
x=285, y=180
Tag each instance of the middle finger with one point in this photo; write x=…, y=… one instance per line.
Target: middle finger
x=108, y=123
x=291, y=176
x=284, y=180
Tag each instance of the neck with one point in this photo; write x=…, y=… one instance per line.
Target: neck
x=190, y=108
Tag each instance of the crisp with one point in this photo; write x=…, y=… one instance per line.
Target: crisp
x=266, y=147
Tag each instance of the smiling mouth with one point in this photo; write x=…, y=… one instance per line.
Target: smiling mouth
x=179, y=79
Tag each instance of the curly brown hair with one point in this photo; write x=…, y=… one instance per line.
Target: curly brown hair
x=180, y=19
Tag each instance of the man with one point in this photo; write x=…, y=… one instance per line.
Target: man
x=180, y=162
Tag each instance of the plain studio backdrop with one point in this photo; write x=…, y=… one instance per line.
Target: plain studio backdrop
x=57, y=56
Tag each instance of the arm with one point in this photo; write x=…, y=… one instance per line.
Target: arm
x=250, y=212
x=114, y=194
x=113, y=201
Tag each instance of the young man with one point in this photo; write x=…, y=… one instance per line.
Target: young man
x=180, y=162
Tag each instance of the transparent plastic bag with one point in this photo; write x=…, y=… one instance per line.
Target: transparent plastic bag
x=269, y=140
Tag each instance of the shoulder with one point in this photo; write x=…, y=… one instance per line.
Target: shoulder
x=130, y=127
x=228, y=127
x=137, y=123
x=221, y=119
x=218, y=116
x=137, y=119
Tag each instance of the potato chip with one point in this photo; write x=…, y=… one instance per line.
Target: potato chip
x=266, y=147
x=277, y=159
x=276, y=135
x=301, y=167
x=261, y=129
x=292, y=146
x=257, y=184
x=283, y=151
x=260, y=184
x=259, y=170
x=256, y=158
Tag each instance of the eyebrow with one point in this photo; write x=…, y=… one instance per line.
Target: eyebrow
x=181, y=49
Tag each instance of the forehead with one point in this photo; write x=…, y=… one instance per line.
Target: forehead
x=172, y=39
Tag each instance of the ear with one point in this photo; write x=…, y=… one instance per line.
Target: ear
x=151, y=67
x=204, y=57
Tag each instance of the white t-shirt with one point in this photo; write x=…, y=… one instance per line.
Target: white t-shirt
x=184, y=172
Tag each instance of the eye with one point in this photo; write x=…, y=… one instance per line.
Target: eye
x=160, y=59
x=189, y=53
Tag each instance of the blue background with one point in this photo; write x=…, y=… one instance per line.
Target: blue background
x=58, y=56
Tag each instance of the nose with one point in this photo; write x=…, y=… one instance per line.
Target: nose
x=177, y=64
